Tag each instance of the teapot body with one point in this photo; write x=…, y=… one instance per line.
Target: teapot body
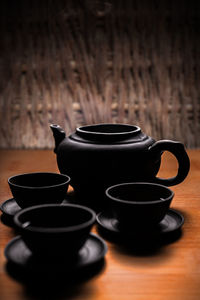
x=98, y=156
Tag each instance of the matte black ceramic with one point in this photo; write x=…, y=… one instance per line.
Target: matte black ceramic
x=100, y=155
x=10, y=207
x=53, y=229
x=38, y=188
x=139, y=204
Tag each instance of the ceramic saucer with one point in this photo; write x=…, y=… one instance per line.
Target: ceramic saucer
x=171, y=223
x=10, y=206
x=92, y=252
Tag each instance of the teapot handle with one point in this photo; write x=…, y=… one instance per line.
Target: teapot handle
x=178, y=150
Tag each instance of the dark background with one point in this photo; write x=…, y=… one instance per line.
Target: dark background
x=84, y=62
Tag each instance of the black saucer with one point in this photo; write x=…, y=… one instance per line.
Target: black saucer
x=171, y=223
x=92, y=252
x=10, y=207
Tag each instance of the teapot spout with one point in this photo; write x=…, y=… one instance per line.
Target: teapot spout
x=59, y=135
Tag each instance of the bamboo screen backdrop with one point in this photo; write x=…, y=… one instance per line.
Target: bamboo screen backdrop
x=82, y=62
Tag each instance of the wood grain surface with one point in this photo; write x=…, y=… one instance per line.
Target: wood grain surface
x=170, y=273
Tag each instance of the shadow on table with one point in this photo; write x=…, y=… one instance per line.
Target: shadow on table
x=52, y=284
x=140, y=246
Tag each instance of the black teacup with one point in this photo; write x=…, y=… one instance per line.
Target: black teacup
x=139, y=204
x=38, y=188
x=53, y=229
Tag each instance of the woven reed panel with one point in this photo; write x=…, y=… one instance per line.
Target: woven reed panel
x=82, y=62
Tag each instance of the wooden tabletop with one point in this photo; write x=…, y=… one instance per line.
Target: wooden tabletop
x=172, y=272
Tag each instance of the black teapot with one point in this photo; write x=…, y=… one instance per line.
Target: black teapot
x=100, y=155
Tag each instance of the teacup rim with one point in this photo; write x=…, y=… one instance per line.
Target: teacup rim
x=68, y=179
x=50, y=230
x=139, y=202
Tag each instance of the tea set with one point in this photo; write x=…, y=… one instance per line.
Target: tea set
x=112, y=169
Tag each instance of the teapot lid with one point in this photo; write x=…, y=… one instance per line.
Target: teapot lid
x=108, y=131
x=105, y=133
